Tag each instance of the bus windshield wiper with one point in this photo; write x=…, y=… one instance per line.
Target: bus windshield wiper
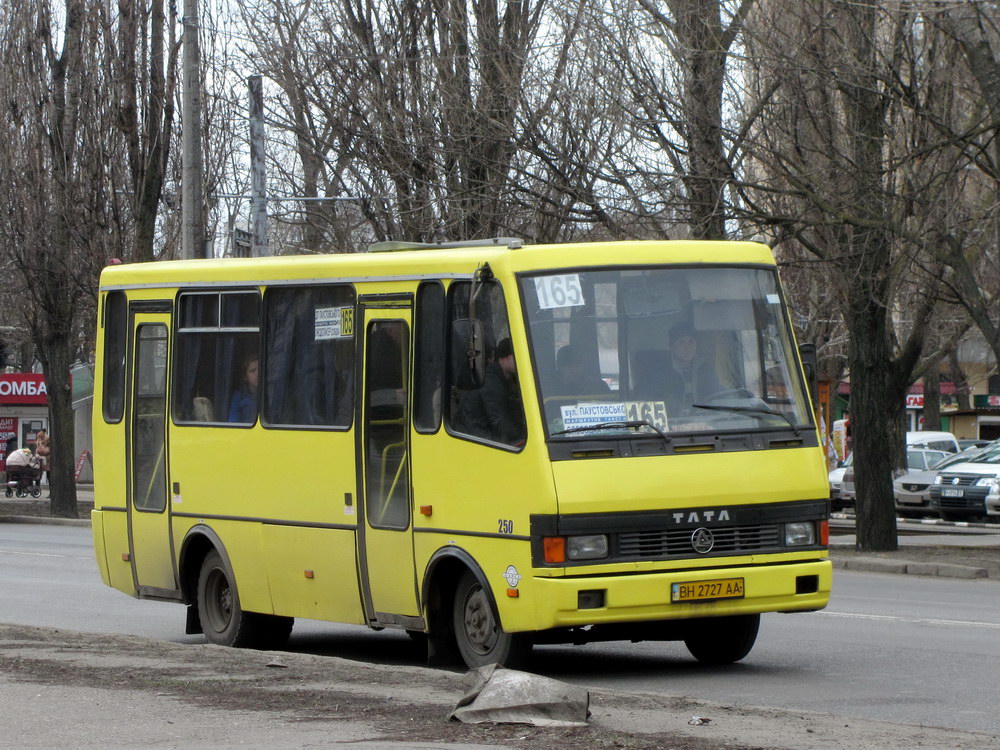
x=750, y=410
x=633, y=424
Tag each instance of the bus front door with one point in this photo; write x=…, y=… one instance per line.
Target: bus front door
x=386, y=534
x=148, y=515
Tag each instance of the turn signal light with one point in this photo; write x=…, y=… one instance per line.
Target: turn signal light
x=554, y=548
x=824, y=533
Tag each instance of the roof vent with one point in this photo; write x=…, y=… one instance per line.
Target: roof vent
x=511, y=243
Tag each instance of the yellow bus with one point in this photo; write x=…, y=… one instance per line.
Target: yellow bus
x=493, y=444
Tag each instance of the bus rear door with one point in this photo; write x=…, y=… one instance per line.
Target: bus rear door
x=146, y=444
x=386, y=534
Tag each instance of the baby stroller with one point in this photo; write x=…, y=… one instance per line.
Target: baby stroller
x=21, y=481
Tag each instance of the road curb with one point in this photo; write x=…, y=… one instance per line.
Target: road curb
x=944, y=570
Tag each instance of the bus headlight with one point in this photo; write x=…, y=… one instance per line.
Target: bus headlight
x=800, y=534
x=591, y=547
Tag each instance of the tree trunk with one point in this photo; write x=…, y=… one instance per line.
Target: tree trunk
x=962, y=399
x=932, y=399
x=876, y=412
x=62, y=481
x=702, y=37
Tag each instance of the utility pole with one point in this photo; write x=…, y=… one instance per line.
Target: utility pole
x=258, y=175
x=192, y=204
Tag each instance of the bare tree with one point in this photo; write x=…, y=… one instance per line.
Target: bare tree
x=851, y=171
x=54, y=221
x=422, y=110
x=140, y=61
x=970, y=244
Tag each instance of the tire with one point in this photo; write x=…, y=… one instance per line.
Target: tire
x=21, y=493
x=223, y=621
x=723, y=640
x=9, y=492
x=478, y=634
x=36, y=491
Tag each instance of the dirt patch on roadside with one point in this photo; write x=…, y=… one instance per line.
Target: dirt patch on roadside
x=411, y=704
x=402, y=703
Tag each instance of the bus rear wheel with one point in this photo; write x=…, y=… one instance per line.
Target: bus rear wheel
x=480, y=638
x=723, y=640
x=222, y=620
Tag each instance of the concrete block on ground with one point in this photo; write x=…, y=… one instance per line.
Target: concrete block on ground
x=506, y=696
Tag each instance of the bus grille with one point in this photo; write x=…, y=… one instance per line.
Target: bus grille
x=733, y=540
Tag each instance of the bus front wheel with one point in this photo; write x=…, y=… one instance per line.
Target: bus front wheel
x=723, y=640
x=222, y=620
x=480, y=638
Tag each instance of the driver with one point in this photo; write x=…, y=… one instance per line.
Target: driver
x=690, y=377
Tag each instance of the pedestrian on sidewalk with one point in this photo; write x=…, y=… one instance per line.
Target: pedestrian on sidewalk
x=43, y=453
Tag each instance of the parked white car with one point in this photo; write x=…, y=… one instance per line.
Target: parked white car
x=969, y=489
x=933, y=440
x=836, y=478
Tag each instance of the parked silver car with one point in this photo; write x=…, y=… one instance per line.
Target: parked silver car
x=916, y=459
x=912, y=490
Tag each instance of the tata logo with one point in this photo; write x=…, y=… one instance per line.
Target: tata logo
x=701, y=516
x=702, y=540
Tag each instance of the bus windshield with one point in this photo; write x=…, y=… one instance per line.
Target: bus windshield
x=663, y=350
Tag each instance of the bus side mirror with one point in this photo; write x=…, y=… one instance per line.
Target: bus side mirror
x=810, y=365
x=468, y=356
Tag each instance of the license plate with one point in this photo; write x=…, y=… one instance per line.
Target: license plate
x=704, y=591
x=952, y=493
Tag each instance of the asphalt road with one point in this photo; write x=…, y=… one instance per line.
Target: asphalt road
x=889, y=648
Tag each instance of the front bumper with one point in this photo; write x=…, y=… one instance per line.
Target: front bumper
x=642, y=597
x=974, y=501
x=907, y=500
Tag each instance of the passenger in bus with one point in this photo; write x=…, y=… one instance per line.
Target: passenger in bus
x=574, y=380
x=243, y=403
x=690, y=378
x=494, y=411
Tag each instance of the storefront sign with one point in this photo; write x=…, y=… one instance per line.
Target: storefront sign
x=23, y=388
x=915, y=401
x=8, y=438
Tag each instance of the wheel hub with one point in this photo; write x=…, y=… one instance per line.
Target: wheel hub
x=479, y=625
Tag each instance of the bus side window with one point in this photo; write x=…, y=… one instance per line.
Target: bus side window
x=115, y=339
x=309, y=356
x=216, y=362
x=428, y=375
x=494, y=412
